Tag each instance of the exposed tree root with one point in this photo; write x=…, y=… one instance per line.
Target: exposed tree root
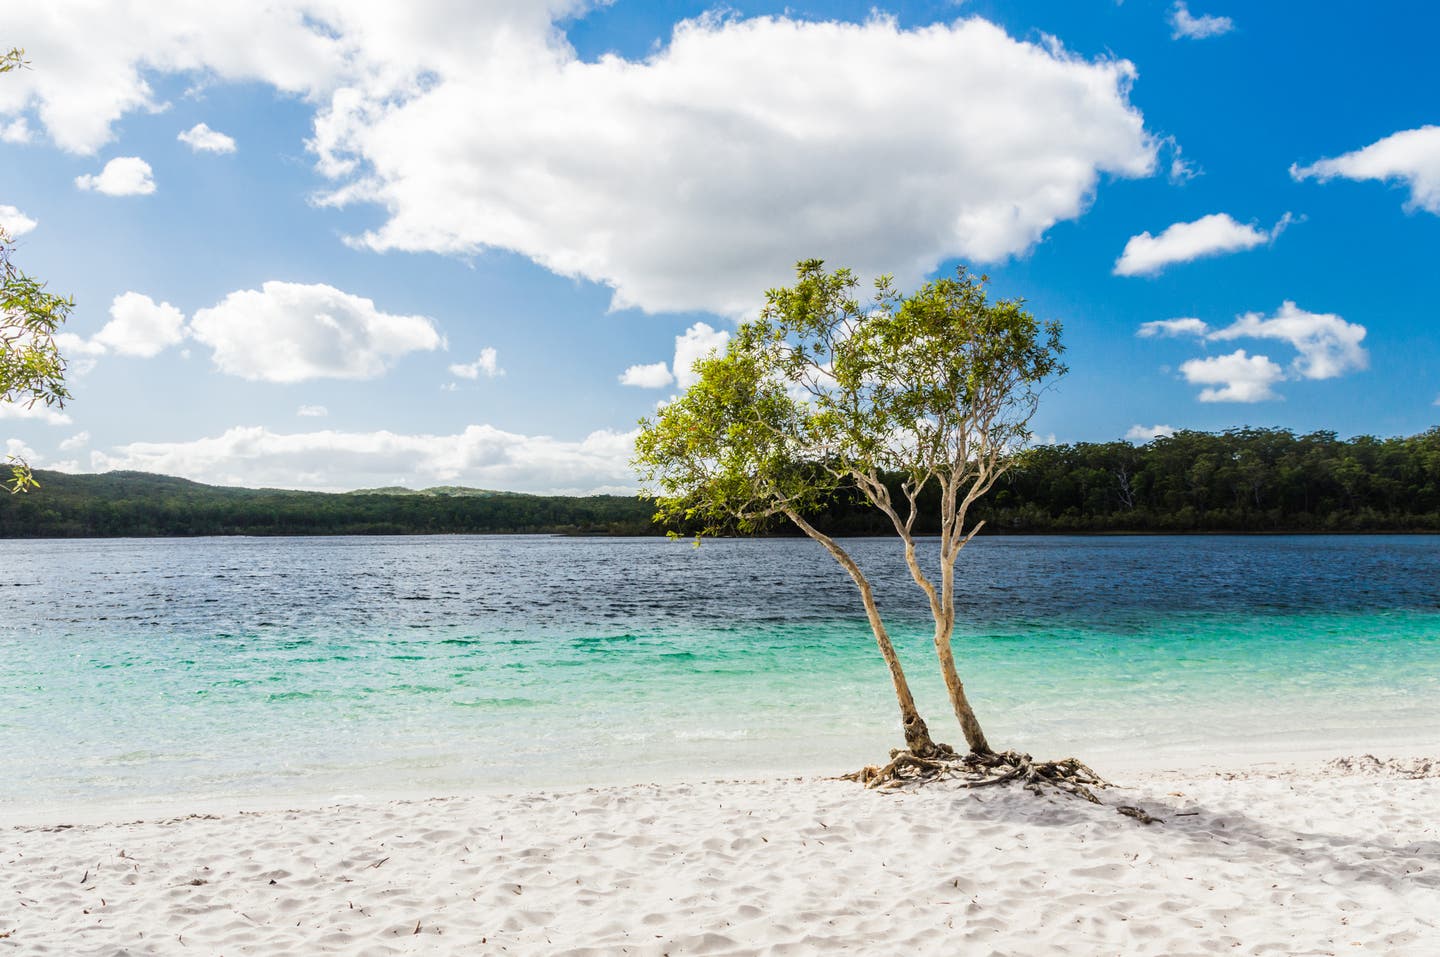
x=908, y=769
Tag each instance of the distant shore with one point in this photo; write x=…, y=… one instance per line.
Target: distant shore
x=1325, y=857
x=143, y=505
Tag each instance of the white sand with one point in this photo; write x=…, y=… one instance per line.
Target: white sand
x=1314, y=860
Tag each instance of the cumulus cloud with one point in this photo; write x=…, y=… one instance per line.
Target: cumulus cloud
x=1146, y=433
x=97, y=57
x=122, y=176
x=480, y=456
x=77, y=441
x=1410, y=156
x=1186, y=24
x=487, y=365
x=292, y=332
x=312, y=411
x=1212, y=235
x=684, y=180
x=1236, y=377
x=15, y=223
x=138, y=326
x=39, y=412
x=656, y=375
x=694, y=344
x=202, y=139
x=1328, y=346
x=765, y=140
x=1168, y=328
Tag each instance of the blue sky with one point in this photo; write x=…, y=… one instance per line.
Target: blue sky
x=430, y=240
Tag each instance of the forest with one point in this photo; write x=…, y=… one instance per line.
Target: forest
x=1239, y=480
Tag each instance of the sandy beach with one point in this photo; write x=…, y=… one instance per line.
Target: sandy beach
x=1337, y=857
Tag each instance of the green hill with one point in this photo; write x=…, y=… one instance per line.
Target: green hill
x=139, y=504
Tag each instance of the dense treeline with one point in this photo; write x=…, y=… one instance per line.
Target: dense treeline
x=1241, y=480
x=1252, y=480
x=137, y=504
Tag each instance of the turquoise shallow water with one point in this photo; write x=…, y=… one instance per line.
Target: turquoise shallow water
x=230, y=669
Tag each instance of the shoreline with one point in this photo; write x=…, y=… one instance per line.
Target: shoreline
x=169, y=807
x=1324, y=857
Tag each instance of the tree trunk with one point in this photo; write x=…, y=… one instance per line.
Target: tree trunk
x=952, y=542
x=917, y=733
x=969, y=724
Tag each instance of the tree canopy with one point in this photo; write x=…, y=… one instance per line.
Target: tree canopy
x=823, y=395
x=31, y=368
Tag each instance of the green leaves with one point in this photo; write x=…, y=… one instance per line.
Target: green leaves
x=821, y=390
x=31, y=367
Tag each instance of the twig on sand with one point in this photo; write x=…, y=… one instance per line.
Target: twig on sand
x=1138, y=814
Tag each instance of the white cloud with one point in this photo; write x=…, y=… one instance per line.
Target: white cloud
x=656, y=375
x=122, y=176
x=694, y=178
x=765, y=141
x=1410, y=156
x=1328, y=346
x=696, y=343
x=1168, y=328
x=140, y=327
x=39, y=412
x=17, y=449
x=487, y=365
x=1146, y=433
x=480, y=456
x=312, y=411
x=202, y=139
x=1181, y=169
x=291, y=332
x=16, y=131
x=1234, y=378
x=1197, y=28
x=742, y=145
x=92, y=60
x=14, y=222
x=72, y=345
x=1212, y=235
x=77, y=441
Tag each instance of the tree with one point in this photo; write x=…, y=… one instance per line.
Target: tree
x=31, y=367
x=822, y=396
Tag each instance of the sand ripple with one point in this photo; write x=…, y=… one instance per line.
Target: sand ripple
x=1344, y=859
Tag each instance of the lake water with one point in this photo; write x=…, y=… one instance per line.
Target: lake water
x=242, y=669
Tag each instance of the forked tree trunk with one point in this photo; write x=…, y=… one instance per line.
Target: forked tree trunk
x=952, y=524
x=942, y=608
x=969, y=724
x=917, y=734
